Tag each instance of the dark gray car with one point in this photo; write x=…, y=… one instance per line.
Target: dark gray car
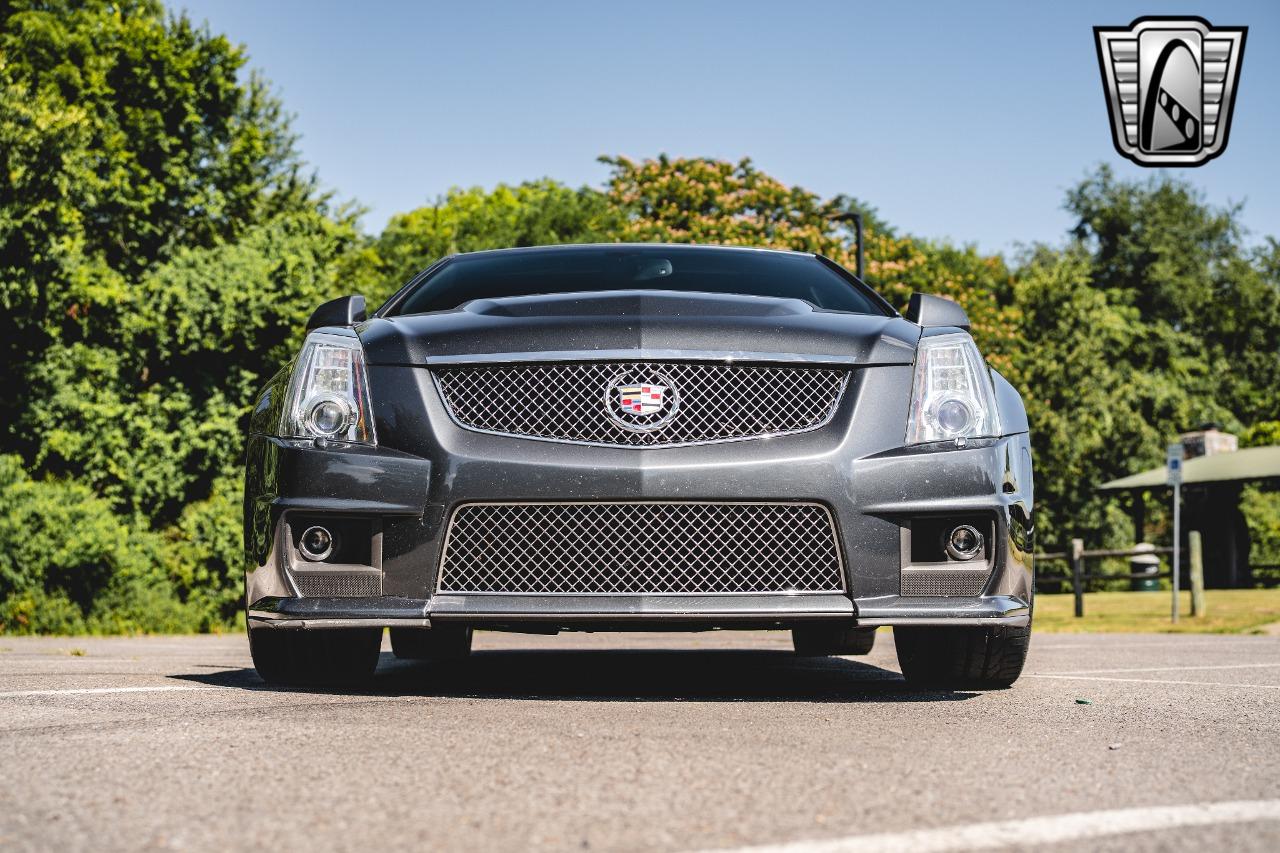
x=638, y=437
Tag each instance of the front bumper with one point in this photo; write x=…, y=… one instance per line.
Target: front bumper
x=632, y=612
x=407, y=492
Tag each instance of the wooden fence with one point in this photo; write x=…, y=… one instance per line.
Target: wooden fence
x=1077, y=557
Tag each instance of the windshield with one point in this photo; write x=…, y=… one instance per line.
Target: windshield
x=679, y=268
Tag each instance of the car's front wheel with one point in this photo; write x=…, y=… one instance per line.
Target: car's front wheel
x=976, y=658
x=329, y=658
x=439, y=644
x=822, y=640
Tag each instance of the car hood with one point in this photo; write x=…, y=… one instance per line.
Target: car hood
x=638, y=324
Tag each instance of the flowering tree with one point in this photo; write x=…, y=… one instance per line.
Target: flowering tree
x=699, y=200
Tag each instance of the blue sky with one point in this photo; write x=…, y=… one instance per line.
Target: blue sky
x=965, y=121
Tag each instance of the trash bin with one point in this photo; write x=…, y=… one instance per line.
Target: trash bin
x=1144, y=564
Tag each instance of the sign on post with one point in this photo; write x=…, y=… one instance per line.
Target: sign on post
x=1173, y=476
x=1173, y=462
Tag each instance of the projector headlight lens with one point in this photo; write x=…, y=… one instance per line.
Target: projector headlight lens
x=328, y=416
x=952, y=395
x=953, y=416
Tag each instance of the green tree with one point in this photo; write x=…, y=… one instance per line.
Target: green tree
x=160, y=245
x=1261, y=503
x=700, y=200
x=534, y=213
x=126, y=136
x=1159, y=248
x=1086, y=410
x=1155, y=318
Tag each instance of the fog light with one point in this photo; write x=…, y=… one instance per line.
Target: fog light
x=316, y=544
x=964, y=542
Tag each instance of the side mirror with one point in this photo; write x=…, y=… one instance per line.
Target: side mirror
x=343, y=311
x=925, y=310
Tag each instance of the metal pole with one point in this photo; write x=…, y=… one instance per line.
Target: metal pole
x=1177, y=538
x=861, y=267
x=856, y=218
x=1077, y=574
x=1197, y=573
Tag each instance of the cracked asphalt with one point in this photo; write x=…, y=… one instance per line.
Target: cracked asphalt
x=624, y=742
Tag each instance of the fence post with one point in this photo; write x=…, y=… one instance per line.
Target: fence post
x=1197, y=573
x=1077, y=574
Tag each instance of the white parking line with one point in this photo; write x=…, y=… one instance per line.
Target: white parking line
x=1154, y=681
x=171, y=688
x=75, y=691
x=1223, y=640
x=1169, y=668
x=1035, y=831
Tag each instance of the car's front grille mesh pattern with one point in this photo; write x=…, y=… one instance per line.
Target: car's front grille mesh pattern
x=637, y=548
x=950, y=582
x=577, y=401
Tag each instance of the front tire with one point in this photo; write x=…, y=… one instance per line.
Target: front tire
x=971, y=658
x=314, y=657
x=825, y=640
x=440, y=644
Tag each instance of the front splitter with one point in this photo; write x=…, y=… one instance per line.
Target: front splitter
x=605, y=611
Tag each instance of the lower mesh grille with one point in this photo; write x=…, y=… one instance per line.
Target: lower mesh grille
x=638, y=548
x=961, y=582
x=329, y=584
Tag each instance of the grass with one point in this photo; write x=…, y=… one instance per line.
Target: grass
x=1228, y=611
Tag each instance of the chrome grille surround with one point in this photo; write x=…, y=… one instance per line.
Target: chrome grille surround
x=571, y=401
x=639, y=548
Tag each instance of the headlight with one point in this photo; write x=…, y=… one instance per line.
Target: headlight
x=329, y=392
x=952, y=395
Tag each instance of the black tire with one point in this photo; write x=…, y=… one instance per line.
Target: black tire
x=972, y=658
x=440, y=644
x=820, y=640
x=323, y=658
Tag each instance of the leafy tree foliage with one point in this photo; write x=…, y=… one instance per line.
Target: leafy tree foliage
x=681, y=200
x=535, y=213
x=1159, y=249
x=1154, y=319
x=710, y=201
x=158, y=243
x=126, y=137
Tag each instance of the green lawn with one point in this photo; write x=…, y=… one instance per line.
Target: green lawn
x=1229, y=611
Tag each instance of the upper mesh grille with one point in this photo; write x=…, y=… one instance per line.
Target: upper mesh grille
x=578, y=401
x=641, y=548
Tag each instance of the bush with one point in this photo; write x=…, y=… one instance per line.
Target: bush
x=138, y=606
x=59, y=538
x=203, y=554
x=39, y=612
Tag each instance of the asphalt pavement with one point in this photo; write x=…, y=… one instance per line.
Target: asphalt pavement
x=669, y=742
